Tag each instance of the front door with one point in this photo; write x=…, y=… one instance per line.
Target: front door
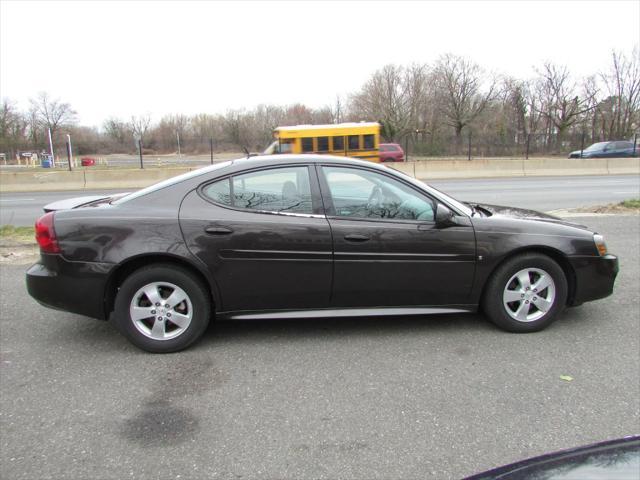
x=263, y=238
x=388, y=250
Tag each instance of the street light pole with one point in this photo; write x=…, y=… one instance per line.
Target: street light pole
x=53, y=162
x=69, y=151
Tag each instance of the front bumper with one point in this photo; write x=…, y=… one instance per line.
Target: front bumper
x=76, y=287
x=595, y=277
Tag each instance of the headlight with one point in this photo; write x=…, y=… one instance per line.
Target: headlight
x=600, y=244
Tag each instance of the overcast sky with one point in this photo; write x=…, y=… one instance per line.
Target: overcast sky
x=124, y=58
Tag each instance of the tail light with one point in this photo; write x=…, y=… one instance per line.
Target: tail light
x=46, y=234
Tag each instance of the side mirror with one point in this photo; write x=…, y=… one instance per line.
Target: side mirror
x=444, y=216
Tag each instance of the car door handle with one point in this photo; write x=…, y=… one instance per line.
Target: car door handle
x=354, y=237
x=218, y=230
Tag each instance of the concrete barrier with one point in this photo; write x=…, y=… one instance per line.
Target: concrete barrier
x=33, y=181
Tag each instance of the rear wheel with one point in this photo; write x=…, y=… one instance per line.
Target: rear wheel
x=526, y=293
x=162, y=308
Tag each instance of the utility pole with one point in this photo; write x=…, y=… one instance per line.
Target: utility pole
x=69, y=152
x=469, y=147
x=53, y=162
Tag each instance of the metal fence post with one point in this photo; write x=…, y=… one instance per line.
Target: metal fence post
x=635, y=141
x=526, y=155
x=140, y=152
x=469, y=148
x=211, y=149
x=582, y=145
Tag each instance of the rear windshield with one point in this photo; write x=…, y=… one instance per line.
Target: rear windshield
x=172, y=181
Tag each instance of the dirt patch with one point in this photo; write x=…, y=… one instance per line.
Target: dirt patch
x=614, y=208
x=18, y=254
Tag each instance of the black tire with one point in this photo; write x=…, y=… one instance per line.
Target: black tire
x=502, y=286
x=164, y=280
x=387, y=160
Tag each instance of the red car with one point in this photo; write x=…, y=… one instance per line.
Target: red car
x=87, y=161
x=391, y=152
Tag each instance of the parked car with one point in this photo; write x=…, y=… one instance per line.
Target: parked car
x=87, y=161
x=611, y=460
x=391, y=152
x=622, y=148
x=306, y=236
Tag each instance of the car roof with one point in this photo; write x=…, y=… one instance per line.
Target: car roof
x=283, y=159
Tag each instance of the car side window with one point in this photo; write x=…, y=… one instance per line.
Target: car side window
x=360, y=193
x=274, y=190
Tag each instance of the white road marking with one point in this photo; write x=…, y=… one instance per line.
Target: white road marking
x=16, y=199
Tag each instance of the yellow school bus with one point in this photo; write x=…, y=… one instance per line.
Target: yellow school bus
x=359, y=140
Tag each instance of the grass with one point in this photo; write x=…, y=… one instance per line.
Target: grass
x=9, y=233
x=631, y=203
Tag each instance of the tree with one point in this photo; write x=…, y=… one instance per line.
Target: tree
x=384, y=97
x=140, y=126
x=459, y=84
x=52, y=114
x=13, y=128
x=560, y=104
x=118, y=131
x=622, y=107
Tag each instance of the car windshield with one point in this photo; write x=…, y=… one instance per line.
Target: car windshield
x=171, y=181
x=443, y=196
x=596, y=147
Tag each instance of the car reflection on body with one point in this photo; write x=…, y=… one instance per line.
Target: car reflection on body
x=306, y=236
x=611, y=460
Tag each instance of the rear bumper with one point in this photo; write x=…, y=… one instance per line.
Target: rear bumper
x=595, y=277
x=75, y=287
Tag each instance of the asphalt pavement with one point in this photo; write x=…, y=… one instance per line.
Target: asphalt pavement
x=538, y=193
x=437, y=397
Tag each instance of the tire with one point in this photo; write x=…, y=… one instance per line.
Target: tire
x=387, y=160
x=516, y=280
x=142, y=316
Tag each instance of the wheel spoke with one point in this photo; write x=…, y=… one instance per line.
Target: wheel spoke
x=139, y=313
x=523, y=311
x=543, y=304
x=152, y=293
x=512, y=296
x=543, y=282
x=523, y=278
x=158, y=330
x=179, y=319
x=177, y=297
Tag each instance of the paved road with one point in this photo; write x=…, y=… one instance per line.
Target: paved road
x=424, y=397
x=539, y=193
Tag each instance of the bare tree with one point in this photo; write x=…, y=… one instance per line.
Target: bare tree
x=118, y=131
x=384, y=98
x=460, y=86
x=140, y=125
x=622, y=83
x=561, y=105
x=52, y=113
x=336, y=110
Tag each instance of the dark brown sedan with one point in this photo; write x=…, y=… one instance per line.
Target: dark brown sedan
x=306, y=236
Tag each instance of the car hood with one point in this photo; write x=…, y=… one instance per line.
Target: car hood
x=525, y=214
x=87, y=201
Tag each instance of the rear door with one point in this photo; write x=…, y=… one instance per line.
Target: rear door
x=263, y=237
x=388, y=251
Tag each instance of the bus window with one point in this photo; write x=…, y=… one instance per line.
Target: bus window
x=354, y=142
x=368, y=142
x=307, y=145
x=323, y=144
x=338, y=143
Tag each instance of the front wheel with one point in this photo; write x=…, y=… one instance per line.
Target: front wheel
x=526, y=293
x=162, y=308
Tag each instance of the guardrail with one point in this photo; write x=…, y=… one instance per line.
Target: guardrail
x=88, y=179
